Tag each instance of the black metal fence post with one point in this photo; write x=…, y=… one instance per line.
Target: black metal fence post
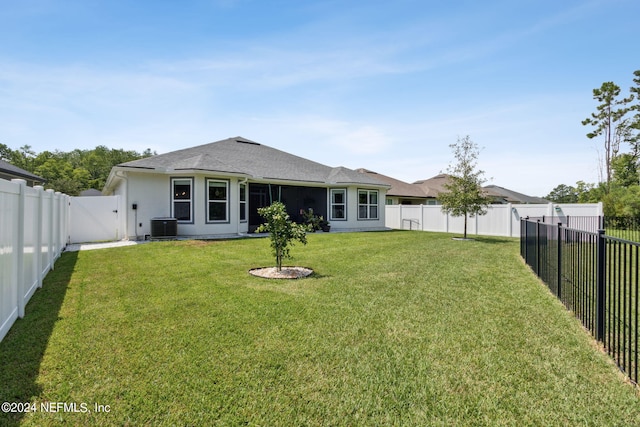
x=601, y=289
x=560, y=261
x=538, y=247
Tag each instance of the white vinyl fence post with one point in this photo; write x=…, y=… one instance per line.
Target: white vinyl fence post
x=37, y=250
x=56, y=225
x=446, y=222
x=51, y=233
x=476, y=223
x=20, y=248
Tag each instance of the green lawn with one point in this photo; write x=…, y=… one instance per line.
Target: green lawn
x=393, y=328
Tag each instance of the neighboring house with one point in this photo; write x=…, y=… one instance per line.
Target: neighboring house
x=400, y=192
x=504, y=195
x=432, y=187
x=217, y=188
x=423, y=192
x=426, y=191
x=9, y=172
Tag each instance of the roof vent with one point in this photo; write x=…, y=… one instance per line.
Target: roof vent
x=246, y=141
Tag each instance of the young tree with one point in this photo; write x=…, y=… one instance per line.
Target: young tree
x=465, y=195
x=282, y=231
x=609, y=122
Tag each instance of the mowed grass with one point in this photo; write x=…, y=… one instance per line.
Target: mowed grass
x=394, y=328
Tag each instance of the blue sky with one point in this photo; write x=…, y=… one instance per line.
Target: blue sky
x=375, y=84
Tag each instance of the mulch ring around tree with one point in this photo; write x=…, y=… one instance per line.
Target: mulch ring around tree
x=285, y=273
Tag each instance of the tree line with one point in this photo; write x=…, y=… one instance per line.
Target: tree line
x=74, y=171
x=616, y=122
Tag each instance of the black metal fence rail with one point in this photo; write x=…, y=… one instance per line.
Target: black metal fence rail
x=627, y=228
x=585, y=223
x=596, y=277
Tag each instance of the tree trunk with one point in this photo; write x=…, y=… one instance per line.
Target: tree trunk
x=279, y=260
x=465, y=225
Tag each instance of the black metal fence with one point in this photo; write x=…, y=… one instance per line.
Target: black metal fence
x=596, y=277
x=585, y=223
x=624, y=227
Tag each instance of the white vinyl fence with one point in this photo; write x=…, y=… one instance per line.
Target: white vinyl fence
x=33, y=233
x=500, y=220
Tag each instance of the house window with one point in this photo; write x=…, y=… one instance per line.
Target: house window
x=217, y=200
x=243, y=202
x=338, y=204
x=367, y=204
x=181, y=199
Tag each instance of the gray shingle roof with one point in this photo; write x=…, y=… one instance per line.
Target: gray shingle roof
x=14, y=171
x=510, y=196
x=434, y=185
x=242, y=156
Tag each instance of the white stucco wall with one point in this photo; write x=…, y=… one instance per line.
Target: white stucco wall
x=352, y=222
x=152, y=195
x=151, y=192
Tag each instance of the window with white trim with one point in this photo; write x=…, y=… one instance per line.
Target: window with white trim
x=243, y=202
x=338, y=204
x=182, y=199
x=367, y=204
x=217, y=200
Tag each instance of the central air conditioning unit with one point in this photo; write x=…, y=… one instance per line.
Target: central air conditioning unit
x=164, y=227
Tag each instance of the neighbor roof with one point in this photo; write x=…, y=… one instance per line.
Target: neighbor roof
x=9, y=171
x=432, y=187
x=245, y=157
x=398, y=188
x=510, y=196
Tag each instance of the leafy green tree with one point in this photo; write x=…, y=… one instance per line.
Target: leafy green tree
x=70, y=172
x=54, y=168
x=464, y=195
x=282, y=231
x=588, y=192
x=5, y=152
x=608, y=122
x=625, y=170
x=23, y=158
x=82, y=177
x=563, y=194
x=622, y=201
